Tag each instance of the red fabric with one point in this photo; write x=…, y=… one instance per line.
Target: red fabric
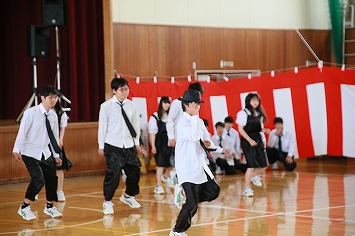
x=264, y=85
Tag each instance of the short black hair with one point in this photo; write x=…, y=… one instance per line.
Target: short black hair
x=196, y=86
x=219, y=124
x=278, y=120
x=228, y=119
x=205, y=122
x=118, y=82
x=48, y=90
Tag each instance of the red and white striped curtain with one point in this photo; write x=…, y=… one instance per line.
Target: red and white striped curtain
x=318, y=104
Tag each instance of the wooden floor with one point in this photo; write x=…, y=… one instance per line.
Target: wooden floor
x=316, y=199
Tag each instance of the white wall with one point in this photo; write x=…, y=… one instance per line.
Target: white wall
x=255, y=14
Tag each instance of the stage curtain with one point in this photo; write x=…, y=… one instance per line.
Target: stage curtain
x=81, y=57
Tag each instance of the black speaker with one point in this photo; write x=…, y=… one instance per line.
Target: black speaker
x=53, y=12
x=38, y=43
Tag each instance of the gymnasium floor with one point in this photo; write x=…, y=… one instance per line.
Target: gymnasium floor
x=318, y=198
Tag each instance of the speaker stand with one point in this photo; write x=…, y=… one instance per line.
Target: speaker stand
x=58, y=68
x=35, y=92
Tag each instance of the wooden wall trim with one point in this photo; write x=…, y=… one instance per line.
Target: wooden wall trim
x=80, y=144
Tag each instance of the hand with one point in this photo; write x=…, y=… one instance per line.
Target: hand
x=207, y=143
x=226, y=151
x=195, y=107
x=266, y=130
x=17, y=156
x=253, y=143
x=289, y=159
x=154, y=150
x=172, y=142
x=101, y=152
x=139, y=149
x=58, y=161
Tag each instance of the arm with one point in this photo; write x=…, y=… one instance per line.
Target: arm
x=174, y=112
x=103, y=120
x=272, y=139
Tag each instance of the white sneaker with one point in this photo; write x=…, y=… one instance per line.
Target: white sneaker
x=53, y=212
x=61, y=196
x=248, y=192
x=130, y=201
x=178, y=197
x=108, y=208
x=173, y=177
x=36, y=197
x=167, y=180
x=26, y=213
x=158, y=190
x=219, y=171
x=275, y=166
x=256, y=180
x=173, y=233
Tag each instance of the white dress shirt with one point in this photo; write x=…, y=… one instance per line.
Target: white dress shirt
x=153, y=124
x=190, y=158
x=32, y=138
x=227, y=143
x=113, y=129
x=242, y=118
x=235, y=136
x=175, y=112
x=288, y=141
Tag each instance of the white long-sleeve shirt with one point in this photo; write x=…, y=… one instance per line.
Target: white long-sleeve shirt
x=175, y=112
x=32, y=138
x=113, y=129
x=235, y=136
x=227, y=143
x=190, y=158
x=288, y=141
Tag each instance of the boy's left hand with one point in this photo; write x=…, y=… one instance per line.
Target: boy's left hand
x=207, y=143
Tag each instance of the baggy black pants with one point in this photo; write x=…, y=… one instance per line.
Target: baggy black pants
x=43, y=173
x=274, y=155
x=116, y=160
x=195, y=193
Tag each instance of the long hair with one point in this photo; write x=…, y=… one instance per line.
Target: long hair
x=58, y=108
x=259, y=108
x=163, y=99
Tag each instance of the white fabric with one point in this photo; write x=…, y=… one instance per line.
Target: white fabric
x=227, y=143
x=153, y=124
x=32, y=139
x=235, y=136
x=288, y=141
x=113, y=129
x=190, y=158
x=175, y=112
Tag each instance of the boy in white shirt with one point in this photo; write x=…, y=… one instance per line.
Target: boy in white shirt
x=191, y=166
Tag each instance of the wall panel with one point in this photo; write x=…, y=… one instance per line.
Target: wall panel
x=140, y=50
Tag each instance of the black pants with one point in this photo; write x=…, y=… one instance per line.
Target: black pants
x=231, y=170
x=274, y=155
x=116, y=160
x=43, y=173
x=195, y=193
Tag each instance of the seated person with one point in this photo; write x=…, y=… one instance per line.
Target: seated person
x=281, y=145
x=231, y=132
x=225, y=155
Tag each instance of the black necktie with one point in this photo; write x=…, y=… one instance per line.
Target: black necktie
x=228, y=133
x=280, y=143
x=130, y=126
x=220, y=142
x=54, y=143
